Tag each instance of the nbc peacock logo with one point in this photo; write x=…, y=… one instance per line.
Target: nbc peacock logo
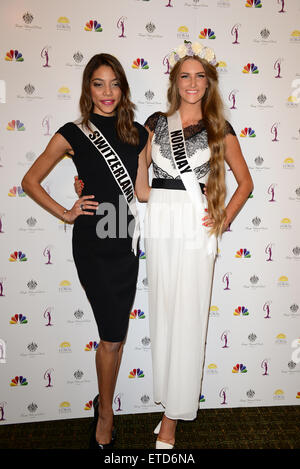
x=91, y=346
x=243, y=253
x=88, y=405
x=136, y=373
x=18, y=381
x=93, y=25
x=14, y=56
x=239, y=368
x=18, y=319
x=137, y=314
x=142, y=254
x=140, y=63
x=253, y=4
x=250, y=68
x=17, y=256
x=248, y=132
x=15, y=125
x=207, y=33
x=241, y=311
x=16, y=191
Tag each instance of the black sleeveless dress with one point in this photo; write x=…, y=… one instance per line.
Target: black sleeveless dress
x=107, y=267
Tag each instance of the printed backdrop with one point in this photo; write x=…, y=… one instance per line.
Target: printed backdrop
x=48, y=336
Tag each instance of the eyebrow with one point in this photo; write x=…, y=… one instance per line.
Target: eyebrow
x=101, y=79
x=187, y=73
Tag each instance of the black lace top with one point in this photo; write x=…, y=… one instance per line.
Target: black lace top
x=196, y=142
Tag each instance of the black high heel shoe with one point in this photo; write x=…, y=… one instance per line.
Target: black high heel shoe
x=93, y=442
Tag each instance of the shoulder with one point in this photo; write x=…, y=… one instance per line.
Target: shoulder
x=152, y=120
x=67, y=129
x=229, y=129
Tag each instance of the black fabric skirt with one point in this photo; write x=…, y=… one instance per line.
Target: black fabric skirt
x=107, y=270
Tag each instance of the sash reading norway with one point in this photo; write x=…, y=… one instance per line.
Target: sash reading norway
x=119, y=173
x=179, y=154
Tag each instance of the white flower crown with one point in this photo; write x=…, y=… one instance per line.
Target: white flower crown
x=191, y=49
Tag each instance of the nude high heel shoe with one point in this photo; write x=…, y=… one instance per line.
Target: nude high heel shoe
x=162, y=445
x=157, y=429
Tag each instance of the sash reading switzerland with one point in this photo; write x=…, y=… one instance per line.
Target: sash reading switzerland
x=114, y=163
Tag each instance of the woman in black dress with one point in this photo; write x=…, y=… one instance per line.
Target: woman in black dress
x=104, y=252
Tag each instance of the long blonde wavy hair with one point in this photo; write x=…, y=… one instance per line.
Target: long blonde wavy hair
x=126, y=130
x=214, y=122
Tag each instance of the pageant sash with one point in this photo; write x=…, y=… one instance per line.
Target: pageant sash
x=179, y=154
x=118, y=171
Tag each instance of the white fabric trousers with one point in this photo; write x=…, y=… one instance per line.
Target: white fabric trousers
x=180, y=262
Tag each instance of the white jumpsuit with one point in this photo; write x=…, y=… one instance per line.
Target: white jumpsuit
x=180, y=262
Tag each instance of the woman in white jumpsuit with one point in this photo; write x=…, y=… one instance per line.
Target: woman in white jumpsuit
x=179, y=247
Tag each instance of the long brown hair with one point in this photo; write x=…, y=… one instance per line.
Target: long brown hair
x=126, y=130
x=214, y=122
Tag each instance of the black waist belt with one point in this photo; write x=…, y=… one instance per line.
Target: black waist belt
x=176, y=184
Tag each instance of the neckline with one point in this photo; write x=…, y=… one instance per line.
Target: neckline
x=99, y=116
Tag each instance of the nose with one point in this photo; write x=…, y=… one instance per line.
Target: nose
x=193, y=81
x=107, y=90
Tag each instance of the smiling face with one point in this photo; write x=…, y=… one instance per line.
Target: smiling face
x=105, y=91
x=191, y=82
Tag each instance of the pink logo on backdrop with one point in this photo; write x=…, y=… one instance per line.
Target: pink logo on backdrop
x=45, y=55
x=169, y=4
x=48, y=377
x=274, y=131
x=1, y=287
x=235, y=33
x=166, y=63
x=47, y=316
x=121, y=25
x=117, y=401
x=46, y=125
x=232, y=98
x=2, y=405
x=281, y=2
x=266, y=308
x=268, y=251
x=47, y=254
x=264, y=366
x=271, y=191
x=277, y=68
x=222, y=395
x=224, y=339
x=225, y=280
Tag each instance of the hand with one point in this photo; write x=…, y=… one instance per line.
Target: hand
x=78, y=186
x=79, y=208
x=208, y=220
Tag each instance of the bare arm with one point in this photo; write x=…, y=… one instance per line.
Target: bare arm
x=31, y=183
x=149, y=147
x=142, y=188
x=234, y=158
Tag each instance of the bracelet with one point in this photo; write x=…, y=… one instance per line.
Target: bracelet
x=65, y=224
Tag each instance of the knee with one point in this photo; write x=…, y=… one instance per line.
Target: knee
x=110, y=347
